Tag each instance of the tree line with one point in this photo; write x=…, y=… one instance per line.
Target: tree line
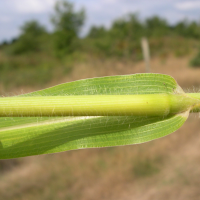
x=122, y=38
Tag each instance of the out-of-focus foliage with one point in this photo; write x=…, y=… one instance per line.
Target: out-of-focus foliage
x=96, y=32
x=123, y=38
x=195, y=62
x=67, y=24
x=116, y=41
x=188, y=29
x=156, y=27
x=37, y=53
x=30, y=39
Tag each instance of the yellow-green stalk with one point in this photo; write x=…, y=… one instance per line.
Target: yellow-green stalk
x=99, y=105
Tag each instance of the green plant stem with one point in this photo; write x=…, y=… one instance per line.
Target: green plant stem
x=96, y=105
x=196, y=108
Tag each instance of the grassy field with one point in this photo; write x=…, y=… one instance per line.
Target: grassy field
x=167, y=168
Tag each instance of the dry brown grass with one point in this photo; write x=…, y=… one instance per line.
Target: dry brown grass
x=167, y=168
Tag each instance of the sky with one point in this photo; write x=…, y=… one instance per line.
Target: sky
x=14, y=13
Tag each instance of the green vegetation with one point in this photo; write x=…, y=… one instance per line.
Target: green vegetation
x=30, y=39
x=67, y=24
x=32, y=70
x=157, y=167
x=38, y=56
x=195, y=62
x=123, y=38
x=131, y=109
x=41, y=55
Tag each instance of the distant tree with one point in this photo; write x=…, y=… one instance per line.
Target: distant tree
x=188, y=29
x=29, y=39
x=4, y=43
x=195, y=62
x=157, y=26
x=124, y=35
x=181, y=27
x=13, y=40
x=67, y=24
x=32, y=28
x=129, y=27
x=96, y=32
x=193, y=30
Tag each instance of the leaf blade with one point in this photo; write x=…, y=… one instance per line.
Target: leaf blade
x=113, y=85
x=90, y=133
x=34, y=136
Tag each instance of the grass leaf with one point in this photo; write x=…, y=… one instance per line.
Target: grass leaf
x=26, y=136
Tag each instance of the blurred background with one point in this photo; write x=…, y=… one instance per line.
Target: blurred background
x=44, y=43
